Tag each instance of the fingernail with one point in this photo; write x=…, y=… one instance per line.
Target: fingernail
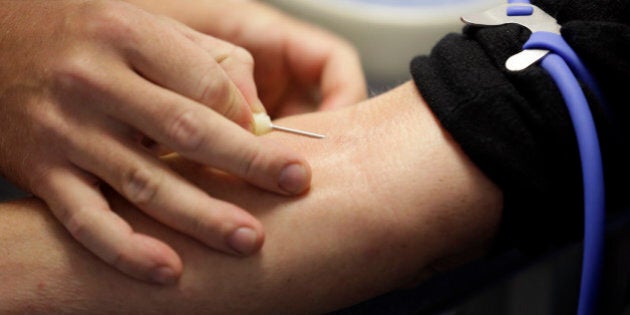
x=164, y=275
x=293, y=178
x=244, y=241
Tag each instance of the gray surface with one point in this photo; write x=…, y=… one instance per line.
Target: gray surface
x=548, y=287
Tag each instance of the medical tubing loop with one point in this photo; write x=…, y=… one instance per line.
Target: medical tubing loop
x=592, y=178
x=590, y=154
x=554, y=42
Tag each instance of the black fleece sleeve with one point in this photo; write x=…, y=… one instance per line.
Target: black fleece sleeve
x=514, y=125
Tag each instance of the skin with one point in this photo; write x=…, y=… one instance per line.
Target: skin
x=299, y=67
x=96, y=89
x=392, y=198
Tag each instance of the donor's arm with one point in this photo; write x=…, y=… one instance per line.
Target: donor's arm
x=391, y=195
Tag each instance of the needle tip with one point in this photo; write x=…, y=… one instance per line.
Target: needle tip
x=298, y=132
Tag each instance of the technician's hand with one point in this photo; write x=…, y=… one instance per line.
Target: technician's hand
x=299, y=67
x=84, y=83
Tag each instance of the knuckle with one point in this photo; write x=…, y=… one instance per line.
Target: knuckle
x=141, y=186
x=207, y=230
x=251, y=165
x=230, y=53
x=108, y=20
x=186, y=131
x=200, y=228
x=221, y=96
x=231, y=105
x=213, y=89
x=119, y=259
x=223, y=53
x=243, y=55
x=75, y=222
x=47, y=124
x=207, y=86
x=79, y=226
x=73, y=73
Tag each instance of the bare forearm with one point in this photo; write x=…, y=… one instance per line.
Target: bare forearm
x=304, y=269
x=391, y=194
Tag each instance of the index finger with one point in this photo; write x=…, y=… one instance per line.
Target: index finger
x=162, y=54
x=202, y=135
x=236, y=61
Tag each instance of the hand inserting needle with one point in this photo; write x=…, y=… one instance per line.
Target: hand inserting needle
x=263, y=125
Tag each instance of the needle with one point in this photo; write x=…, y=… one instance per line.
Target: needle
x=297, y=131
x=263, y=124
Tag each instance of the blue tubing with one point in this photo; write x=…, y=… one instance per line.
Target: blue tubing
x=592, y=176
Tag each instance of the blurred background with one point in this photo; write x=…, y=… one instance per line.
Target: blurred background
x=387, y=33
